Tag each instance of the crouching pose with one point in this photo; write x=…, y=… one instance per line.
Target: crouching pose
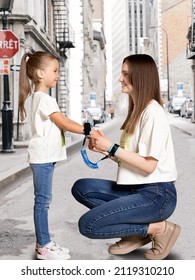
x=136, y=206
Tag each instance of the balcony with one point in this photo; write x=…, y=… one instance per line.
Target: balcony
x=65, y=37
x=190, y=48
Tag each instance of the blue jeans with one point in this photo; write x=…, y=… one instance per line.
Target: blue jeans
x=42, y=178
x=118, y=211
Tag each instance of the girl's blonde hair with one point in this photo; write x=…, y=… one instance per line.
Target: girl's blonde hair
x=28, y=78
x=143, y=76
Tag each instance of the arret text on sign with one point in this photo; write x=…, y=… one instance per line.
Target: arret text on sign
x=9, y=44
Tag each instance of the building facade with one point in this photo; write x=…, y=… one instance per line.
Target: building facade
x=94, y=61
x=139, y=22
x=32, y=23
x=167, y=42
x=190, y=51
x=130, y=25
x=99, y=54
x=47, y=25
x=176, y=18
x=120, y=48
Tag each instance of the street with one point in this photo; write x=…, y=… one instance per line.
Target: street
x=17, y=239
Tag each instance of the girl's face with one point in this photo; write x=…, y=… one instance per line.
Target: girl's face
x=124, y=80
x=50, y=74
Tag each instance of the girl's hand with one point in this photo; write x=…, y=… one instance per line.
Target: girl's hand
x=91, y=144
x=94, y=133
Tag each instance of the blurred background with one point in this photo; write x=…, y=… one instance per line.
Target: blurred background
x=91, y=38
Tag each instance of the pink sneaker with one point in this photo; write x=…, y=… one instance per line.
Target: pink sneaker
x=52, y=251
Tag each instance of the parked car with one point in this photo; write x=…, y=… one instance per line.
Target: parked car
x=98, y=115
x=187, y=108
x=87, y=117
x=176, y=104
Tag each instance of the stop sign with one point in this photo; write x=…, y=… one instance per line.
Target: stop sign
x=9, y=44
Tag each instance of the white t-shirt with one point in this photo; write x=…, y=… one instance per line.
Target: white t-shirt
x=152, y=138
x=47, y=143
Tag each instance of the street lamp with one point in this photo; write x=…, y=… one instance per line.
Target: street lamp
x=7, y=111
x=6, y=5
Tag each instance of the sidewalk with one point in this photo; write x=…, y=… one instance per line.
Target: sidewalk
x=15, y=164
x=184, y=125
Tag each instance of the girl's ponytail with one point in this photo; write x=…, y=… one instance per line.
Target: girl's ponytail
x=24, y=86
x=28, y=75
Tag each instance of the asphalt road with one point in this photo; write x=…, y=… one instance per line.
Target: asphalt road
x=16, y=223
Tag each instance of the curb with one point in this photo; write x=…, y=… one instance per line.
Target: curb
x=24, y=170
x=74, y=143
x=185, y=131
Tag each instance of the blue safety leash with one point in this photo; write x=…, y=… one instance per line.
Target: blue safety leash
x=93, y=165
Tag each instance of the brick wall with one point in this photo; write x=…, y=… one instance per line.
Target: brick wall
x=176, y=18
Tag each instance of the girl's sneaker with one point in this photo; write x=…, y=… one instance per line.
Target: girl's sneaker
x=52, y=251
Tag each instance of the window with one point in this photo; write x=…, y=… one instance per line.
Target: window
x=44, y=16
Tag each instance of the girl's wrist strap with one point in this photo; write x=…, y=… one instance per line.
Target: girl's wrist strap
x=87, y=129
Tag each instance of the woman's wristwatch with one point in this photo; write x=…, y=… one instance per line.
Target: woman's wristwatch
x=113, y=150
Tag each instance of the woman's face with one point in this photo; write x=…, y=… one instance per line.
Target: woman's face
x=124, y=80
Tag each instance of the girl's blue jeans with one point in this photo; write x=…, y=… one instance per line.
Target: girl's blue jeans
x=42, y=178
x=118, y=211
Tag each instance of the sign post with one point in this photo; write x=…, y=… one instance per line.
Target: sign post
x=9, y=46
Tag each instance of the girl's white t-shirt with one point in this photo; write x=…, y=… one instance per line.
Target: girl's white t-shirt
x=152, y=138
x=47, y=143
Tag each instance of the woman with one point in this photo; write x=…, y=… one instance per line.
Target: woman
x=136, y=206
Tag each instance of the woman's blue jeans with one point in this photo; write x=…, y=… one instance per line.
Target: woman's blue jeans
x=42, y=178
x=118, y=211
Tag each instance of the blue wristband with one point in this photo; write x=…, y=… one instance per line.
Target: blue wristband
x=113, y=150
x=110, y=148
x=116, y=151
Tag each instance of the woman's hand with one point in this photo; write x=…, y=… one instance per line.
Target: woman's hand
x=99, y=142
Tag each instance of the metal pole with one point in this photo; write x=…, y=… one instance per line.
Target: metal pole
x=193, y=90
x=167, y=50
x=7, y=111
x=167, y=58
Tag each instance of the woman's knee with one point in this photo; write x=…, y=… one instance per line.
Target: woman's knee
x=76, y=188
x=84, y=227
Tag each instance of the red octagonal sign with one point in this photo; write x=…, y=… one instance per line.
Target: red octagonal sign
x=9, y=44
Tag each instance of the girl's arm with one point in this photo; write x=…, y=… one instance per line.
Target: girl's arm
x=65, y=123
x=101, y=143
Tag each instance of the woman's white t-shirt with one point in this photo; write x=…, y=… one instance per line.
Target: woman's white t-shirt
x=152, y=138
x=48, y=142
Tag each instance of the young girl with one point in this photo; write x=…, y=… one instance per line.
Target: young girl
x=136, y=206
x=47, y=145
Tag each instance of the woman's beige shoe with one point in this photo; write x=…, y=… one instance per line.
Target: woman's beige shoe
x=128, y=244
x=163, y=243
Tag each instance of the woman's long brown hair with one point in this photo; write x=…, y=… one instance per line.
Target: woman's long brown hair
x=143, y=76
